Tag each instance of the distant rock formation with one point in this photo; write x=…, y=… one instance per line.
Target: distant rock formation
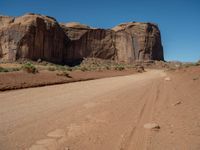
x=35, y=37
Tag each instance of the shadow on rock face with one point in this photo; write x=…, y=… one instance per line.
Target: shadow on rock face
x=73, y=63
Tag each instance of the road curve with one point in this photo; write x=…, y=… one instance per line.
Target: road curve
x=103, y=114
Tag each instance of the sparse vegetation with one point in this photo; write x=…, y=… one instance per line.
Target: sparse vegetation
x=51, y=68
x=63, y=73
x=119, y=67
x=95, y=64
x=2, y=69
x=88, y=64
x=84, y=68
x=186, y=65
x=29, y=68
x=197, y=63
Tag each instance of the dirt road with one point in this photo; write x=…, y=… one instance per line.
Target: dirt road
x=104, y=114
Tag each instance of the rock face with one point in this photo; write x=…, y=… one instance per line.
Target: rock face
x=143, y=42
x=86, y=42
x=35, y=36
x=32, y=36
x=125, y=43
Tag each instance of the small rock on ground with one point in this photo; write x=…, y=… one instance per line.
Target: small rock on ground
x=151, y=126
x=167, y=79
x=177, y=103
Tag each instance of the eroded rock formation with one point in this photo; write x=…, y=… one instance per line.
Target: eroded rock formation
x=143, y=40
x=32, y=36
x=40, y=37
x=126, y=42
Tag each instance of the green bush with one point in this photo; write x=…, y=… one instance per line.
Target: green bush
x=29, y=68
x=14, y=69
x=119, y=67
x=8, y=69
x=3, y=69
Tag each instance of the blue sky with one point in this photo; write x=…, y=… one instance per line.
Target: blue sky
x=179, y=20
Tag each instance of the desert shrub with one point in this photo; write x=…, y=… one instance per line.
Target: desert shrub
x=51, y=68
x=3, y=69
x=63, y=73
x=187, y=65
x=197, y=63
x=29, y=68
x=69, y=69
x=63, y=68
x=14, y=69
x=83, y=68
x=76, y=67
x=119, y=67
x=8, y=69
x=107, y=67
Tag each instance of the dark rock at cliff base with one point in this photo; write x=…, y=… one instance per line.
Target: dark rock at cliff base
x=41, y=37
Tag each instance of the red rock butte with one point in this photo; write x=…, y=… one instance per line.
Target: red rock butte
x=35, y=36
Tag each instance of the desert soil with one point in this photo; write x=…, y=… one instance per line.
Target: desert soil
x=105, y=114
x=20, y=79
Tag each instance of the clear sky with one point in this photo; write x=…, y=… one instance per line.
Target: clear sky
x=179, y=20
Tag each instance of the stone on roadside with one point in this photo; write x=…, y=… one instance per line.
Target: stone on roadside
x=152, y=126
x=177, y=103
x=67, y=148
x=167, y=79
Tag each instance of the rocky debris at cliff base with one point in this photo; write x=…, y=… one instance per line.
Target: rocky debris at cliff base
x=140, y=69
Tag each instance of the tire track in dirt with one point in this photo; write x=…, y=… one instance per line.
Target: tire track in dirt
x=127, y=140
x=137, y=138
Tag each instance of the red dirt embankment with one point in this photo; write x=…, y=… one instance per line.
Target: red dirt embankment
x=20, y=79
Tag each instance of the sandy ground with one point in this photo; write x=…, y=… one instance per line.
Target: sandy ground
x=105, y=114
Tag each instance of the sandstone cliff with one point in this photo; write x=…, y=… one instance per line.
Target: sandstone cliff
x=32, y=36
x=35, y=36
x=143, y=41
x=126, y=42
